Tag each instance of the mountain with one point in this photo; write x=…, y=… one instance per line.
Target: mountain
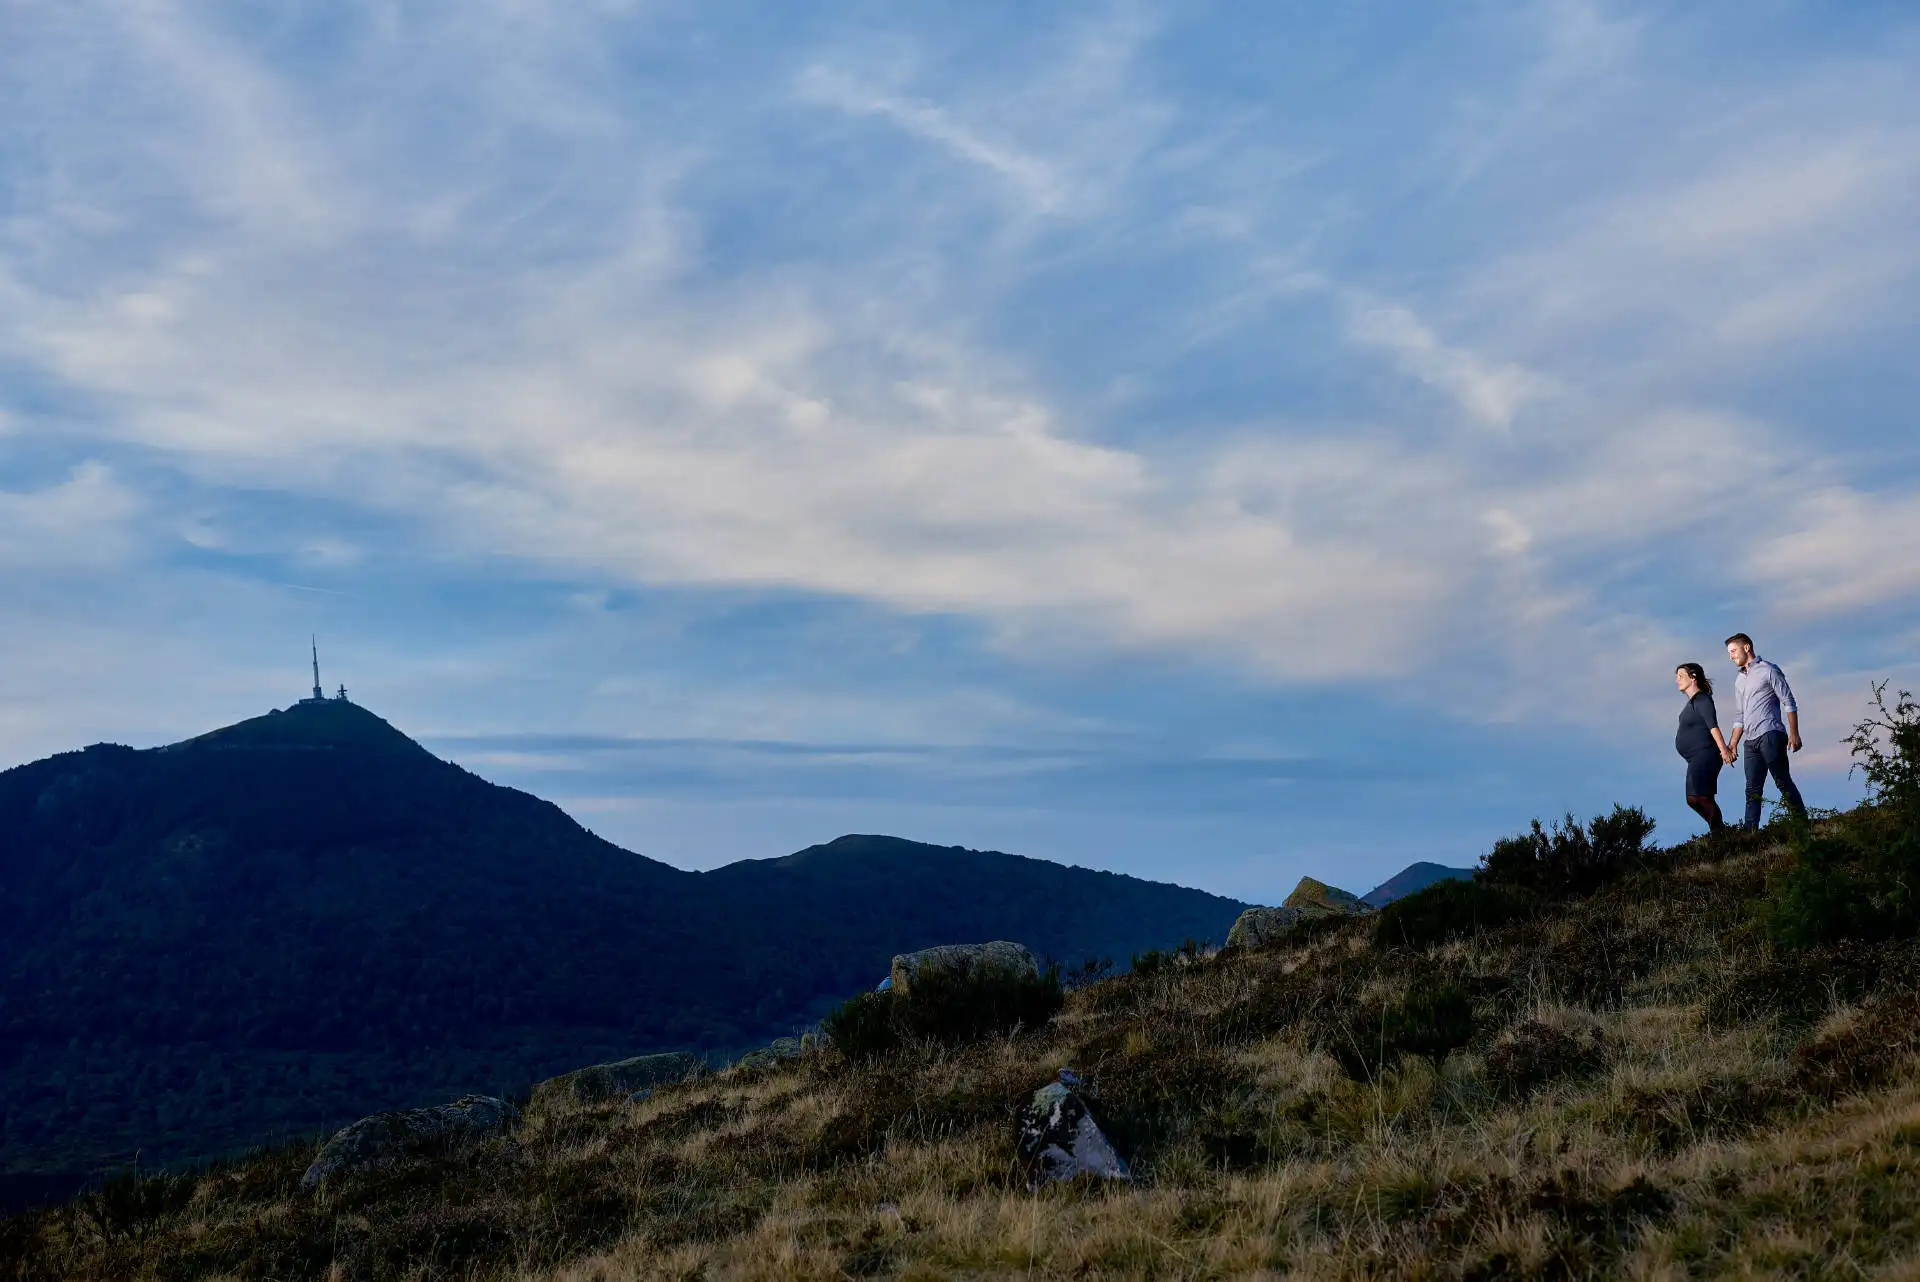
x=300, y=919
x=1409, y=879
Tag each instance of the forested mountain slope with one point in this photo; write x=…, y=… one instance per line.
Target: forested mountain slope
x=305, y=917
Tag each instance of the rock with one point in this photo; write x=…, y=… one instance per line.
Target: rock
x=1260, y=926
x=1309, y=901
x=780, y=1048
x=1059, y=1140
x=1001, y=958
x=606, y=1081
x=385, y=1138
x=1318, y=899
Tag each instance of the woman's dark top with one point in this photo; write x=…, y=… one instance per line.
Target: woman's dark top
x=1698, y=721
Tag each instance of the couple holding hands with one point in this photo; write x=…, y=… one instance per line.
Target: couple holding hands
x=1765, y=716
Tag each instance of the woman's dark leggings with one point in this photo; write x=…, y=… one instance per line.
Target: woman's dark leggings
x=1708, y=809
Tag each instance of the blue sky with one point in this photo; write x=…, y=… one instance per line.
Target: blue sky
x=1214, y=442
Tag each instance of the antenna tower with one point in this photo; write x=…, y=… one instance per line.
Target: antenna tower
x=319, y=695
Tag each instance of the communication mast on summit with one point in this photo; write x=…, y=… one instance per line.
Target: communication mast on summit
x=319, y=694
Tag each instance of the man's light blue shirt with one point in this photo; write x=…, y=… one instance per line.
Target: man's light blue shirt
x=1762, y=698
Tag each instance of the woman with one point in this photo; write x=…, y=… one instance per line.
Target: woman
x=1700, y=742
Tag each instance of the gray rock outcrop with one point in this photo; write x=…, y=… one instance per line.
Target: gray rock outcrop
x=779, y=1049
x=1318, y=899
x=1310, y=900
x=385, y=1138
x=1059, y=1140
x=600, y=1082
x=977, y=961
x=1259, y=926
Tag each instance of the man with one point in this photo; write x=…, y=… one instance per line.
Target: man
x=1760, y=700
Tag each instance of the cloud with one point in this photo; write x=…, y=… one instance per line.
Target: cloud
x=1028, y=174
x=85, y=522
x=1490, y=392
x=697, y=333
x=1841, y=551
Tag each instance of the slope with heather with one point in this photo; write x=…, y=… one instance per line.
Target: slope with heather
x=1630, y=1079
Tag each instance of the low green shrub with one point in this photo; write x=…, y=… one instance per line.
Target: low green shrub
x=1859, y=878
x=1451, y=909
x=862, y=1026
x=127, y=1204
x=1435, y=1017
x=949, y=1007
x=1570, y=860
x=1533, y=1053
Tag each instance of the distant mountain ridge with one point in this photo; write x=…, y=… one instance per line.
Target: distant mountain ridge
x=304, y=917
x=1414, y=877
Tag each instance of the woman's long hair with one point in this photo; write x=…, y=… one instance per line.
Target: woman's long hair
x=1699, y=674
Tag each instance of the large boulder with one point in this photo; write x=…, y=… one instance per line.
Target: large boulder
x=1318, y=899
x=600, y=1082
x=976, y=962
x=1059, y=1140
x=385, y=1138
x=1257, y=927
x=1310, y=901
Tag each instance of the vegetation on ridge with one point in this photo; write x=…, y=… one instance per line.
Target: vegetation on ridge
x=1654, y=1073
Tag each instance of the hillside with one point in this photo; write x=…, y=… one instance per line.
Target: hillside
x=286, y=923
x=1620, y=1062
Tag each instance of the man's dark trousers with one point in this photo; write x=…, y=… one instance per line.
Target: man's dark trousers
x=1767, y=753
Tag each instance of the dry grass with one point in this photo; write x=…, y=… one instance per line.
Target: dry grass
x=1648, y=1091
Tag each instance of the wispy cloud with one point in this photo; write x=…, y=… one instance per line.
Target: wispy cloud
x=1408, y=356
x=1033, y=177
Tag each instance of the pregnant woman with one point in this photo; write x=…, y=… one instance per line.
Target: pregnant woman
x=1700, y=742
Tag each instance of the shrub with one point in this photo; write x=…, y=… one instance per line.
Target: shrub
x=1568, y=860
x=1449, y=910
x=1431, y=1020
x=1534, y=1052
x=862, y=1026
x=1152, y=962
x=950, y=1007
x=128, y=1204
x=1859, y=879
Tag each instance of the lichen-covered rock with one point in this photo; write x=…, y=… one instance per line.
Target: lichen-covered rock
x=965, y=961
x=1259, y=926
x=1318, y=899
x=1059, y=1140
x=385, y=1138
x=608, y=1081
x=1310, y=901
x=780, y=1048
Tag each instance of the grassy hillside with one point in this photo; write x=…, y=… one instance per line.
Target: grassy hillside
x=1592, y=1060
x=1649, y=1085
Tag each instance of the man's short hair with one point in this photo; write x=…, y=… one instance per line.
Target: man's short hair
x=1742, y=638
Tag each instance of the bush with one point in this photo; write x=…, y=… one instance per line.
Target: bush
x=944, y=1006
x=1157, y=961
x=1568, y=860
x=1859, y=878
x=1533, y=1053
x=1431, y=1020
x=1449, y=910
x=862, y=1026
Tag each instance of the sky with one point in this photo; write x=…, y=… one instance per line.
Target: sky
x=1213, y=442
